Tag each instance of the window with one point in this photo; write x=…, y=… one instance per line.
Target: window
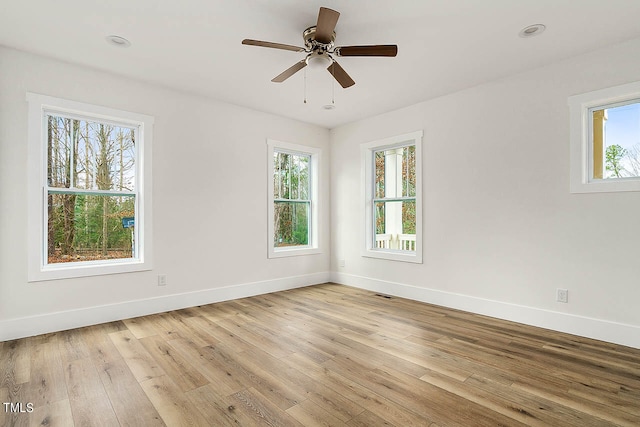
x=293, y=196
x=605, y=140
x=88, y=189
x=392, y=181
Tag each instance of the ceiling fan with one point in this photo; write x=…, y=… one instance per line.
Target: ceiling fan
x=319, y=46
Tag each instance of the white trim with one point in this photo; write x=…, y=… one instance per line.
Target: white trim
x=600, y=329
x=314, y=246
x=367, y=239
x=59, y=321
x=580, y=150
x=38, y=105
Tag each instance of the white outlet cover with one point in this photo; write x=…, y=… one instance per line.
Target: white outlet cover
x=562, y=295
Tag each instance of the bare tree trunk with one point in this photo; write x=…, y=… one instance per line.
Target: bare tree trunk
x=105, y=224
x=88, y=153
x=104, y=183
x=69, y=200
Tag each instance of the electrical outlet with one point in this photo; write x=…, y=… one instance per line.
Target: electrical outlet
x=562, y=295
x=162, y=280
x=341, y=263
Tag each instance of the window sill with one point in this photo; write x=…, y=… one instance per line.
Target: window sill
x=289, y=252
x=87, y=269
x=606, y=185
x=391, y=255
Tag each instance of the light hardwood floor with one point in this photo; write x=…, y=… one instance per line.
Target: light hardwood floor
x=324, y=355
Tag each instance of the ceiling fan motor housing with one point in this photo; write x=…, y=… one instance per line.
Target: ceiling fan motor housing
x=309, y=36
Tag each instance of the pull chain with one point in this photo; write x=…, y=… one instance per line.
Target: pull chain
x=333, y=91
x=305, y=85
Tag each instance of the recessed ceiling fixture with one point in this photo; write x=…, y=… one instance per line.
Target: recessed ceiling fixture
x=532, y=30
x=118, y=41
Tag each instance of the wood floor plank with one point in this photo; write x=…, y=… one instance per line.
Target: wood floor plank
x=203, y=327
x=179, y=369
x=48, y=384
x=214, y=405
x=140, y=362
x=141, y=327
x=72, y=345
x=219, y=334
x=335, y=404
x=268, y=344
x=595, y=410
x=172, y=326
x=321, y=355
x=55, y=414
x=280, y=390
x=309, y=413
x=4, y=397
x=509, y=402
x=368, y=419
x=207, y=361
x=131, y=405
x=261, y=410
x=366, y=398
x=15, y=362
x=174, y=407
x=89, y=401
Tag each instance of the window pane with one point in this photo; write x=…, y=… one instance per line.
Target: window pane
x=409, y=217
x=291, y=224
x=291, y=176
x=379, y=174
x=616, y=142
x=60, y=140
x=88, y=227
x=409, y=171
x=395, y=224
x=303, y=177
x=379, y=217
x=395, y=172
x=101, y=156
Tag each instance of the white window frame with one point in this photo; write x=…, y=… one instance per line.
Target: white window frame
x=314, y=221
x=368, y=177
x=581, y=147
x=38, y=108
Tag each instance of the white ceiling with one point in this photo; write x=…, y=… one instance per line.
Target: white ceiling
x=195, y=45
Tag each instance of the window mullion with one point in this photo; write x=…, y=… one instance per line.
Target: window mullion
x=72, y=155
x=85, y=192
x=393, y=199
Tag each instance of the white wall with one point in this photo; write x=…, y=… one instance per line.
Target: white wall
x=209, y=202
x=501, y=230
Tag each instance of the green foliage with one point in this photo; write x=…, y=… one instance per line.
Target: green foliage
x=407, y=176
x=613, y=158
x=85, y=159
x=292, y=199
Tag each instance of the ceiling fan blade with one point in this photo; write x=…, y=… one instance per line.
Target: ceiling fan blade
x=290, y=71
x=374, y=50
x=340, y=75
x=327, y=20
x=272, y=45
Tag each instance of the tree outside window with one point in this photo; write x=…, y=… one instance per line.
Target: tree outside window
x=292, y=201
x=293, y=189
x=392, y=182
x=91, y=178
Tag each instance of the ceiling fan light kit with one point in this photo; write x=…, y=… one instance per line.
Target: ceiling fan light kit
x=319, y=41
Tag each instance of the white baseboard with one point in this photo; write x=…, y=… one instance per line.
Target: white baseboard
x=604, y=330
x=63, y=320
